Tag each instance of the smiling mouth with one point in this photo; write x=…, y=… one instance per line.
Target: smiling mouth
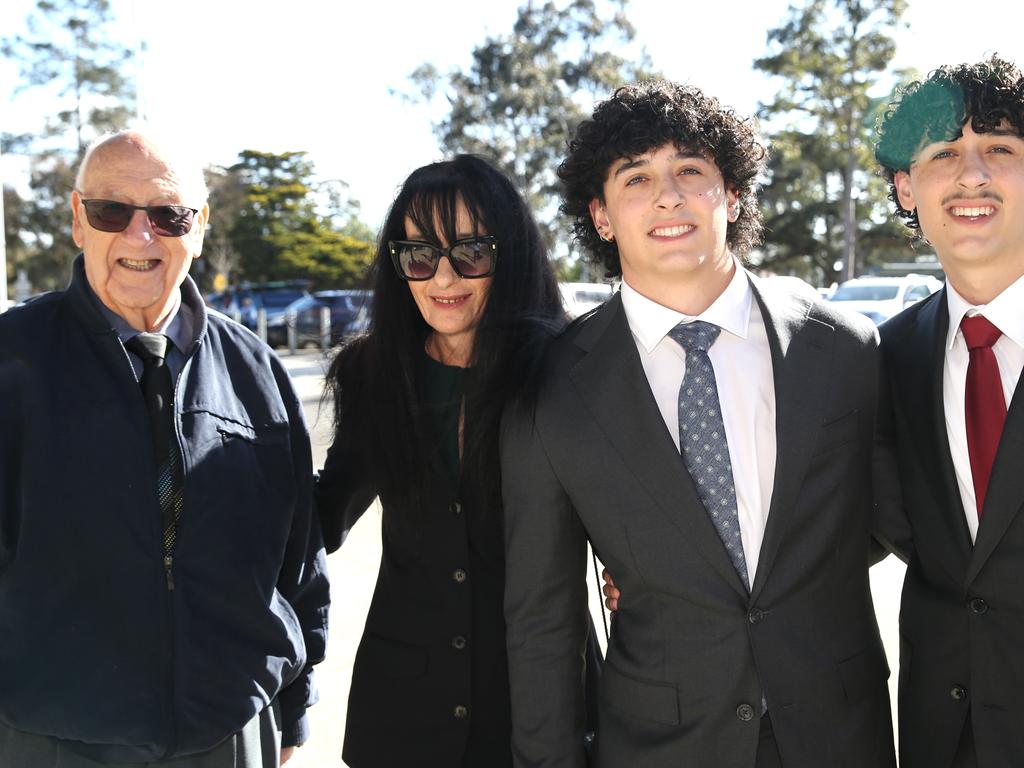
x=970, y=213
x=142, y=265
x=672, y=231
x=449, y=300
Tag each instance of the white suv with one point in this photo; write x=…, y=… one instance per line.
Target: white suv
x=882, y=297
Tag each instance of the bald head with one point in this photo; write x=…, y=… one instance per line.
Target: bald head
x=178, y=166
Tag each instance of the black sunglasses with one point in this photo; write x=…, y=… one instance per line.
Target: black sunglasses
x=112, y=216
x=470, y=258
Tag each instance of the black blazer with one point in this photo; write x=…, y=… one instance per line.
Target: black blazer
x=962, y=614
x=430, y=680
x=691, y=651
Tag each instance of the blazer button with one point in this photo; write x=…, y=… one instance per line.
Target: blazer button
x=458, y=642
x=459, y=575
x=461, y=712
x=745, y=712
x=756, y=616
x=978, y=605
x=455, y=508
x=958, y=693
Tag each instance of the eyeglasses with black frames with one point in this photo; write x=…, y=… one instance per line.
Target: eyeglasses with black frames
x=470, y=258
x=112, y=216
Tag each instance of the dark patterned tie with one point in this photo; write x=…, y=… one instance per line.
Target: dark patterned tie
x=158, y=391
x=702, y=438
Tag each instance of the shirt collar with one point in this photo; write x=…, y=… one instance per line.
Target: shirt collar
x=1003, y=312
x=177, y=328
x=650, y=321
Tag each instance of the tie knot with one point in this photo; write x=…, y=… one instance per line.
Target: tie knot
x=149, y=346
x=695, y=335
x=979, y=332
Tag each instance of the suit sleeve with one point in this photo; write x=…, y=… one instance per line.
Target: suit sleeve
x=303, y=578
x=343, y=490
x=11, y=433
x=890, y=527
x=545, y=602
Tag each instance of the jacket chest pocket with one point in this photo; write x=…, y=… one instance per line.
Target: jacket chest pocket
x=239, y=473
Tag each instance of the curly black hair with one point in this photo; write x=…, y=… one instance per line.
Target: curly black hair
x=644, y=116
x=989, y=94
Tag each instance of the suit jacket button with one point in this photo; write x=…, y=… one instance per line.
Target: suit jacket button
x=745, y=712
x=455, y=508
x=461, y=712
x=756, y=616
x=459, y=575
x=958, y=693
x=458, y=642
x=978, y=605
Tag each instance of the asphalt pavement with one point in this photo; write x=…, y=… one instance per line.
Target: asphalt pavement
x=353, y=572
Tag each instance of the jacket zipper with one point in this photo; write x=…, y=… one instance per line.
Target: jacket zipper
x=172, y=742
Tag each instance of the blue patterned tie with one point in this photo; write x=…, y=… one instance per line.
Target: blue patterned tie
x=158, y=391
x=702, y=438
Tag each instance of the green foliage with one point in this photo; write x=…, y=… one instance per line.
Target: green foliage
x=823, y=199
x=525, y=92
x=66, y=50
x=264, y=224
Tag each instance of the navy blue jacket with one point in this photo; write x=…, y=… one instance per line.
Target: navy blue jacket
x=97, y=646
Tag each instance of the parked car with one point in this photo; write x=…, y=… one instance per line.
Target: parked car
x=344, y=306
x=580, y=298
x=245, y=301
x=879, y=298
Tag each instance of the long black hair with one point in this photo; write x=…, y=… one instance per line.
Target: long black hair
x=373, y=380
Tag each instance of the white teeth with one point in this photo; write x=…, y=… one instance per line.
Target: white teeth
x=672, y=231
x=441, y=300
x=985, y=211
x=139, y=266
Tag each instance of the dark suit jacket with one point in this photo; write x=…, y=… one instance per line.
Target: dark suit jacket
x=962, y=614
x=691, y=652
x=430, y=678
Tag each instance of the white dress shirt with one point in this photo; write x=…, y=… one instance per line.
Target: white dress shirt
x=742, y=361
x=1005, y=314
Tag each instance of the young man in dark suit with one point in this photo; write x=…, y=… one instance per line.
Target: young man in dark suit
x=711, y=435
x=949, y=485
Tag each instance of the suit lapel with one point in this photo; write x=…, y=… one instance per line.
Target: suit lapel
x=801, y=349
x=611, y=382
x=916, y=361
x=1005, y=494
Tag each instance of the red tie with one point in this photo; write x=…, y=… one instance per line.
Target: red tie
x=984, y=405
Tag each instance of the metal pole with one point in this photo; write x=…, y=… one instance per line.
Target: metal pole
x=261, y=324
x=325, y=329
x=291, y=318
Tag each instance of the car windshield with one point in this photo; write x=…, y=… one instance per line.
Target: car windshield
x=595, y=297
x=866, y=293
x=278, y=299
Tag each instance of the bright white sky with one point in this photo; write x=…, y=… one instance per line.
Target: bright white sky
x=315, y=76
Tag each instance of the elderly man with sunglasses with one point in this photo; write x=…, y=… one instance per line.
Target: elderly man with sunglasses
x=163, y=593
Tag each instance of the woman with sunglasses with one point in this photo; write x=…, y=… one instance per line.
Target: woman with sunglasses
x=464, y=300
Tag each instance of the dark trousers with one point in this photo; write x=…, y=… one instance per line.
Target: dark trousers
x=767, y=750
x=257, y=745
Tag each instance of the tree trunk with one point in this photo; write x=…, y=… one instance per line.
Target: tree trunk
x=849, y=213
